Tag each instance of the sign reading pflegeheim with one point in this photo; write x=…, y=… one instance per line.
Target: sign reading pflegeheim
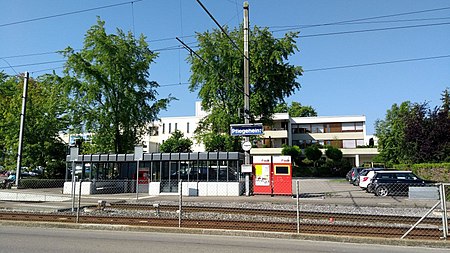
x=246, y=129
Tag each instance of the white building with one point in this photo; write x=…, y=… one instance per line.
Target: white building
x=348, y=133
x=161, y=130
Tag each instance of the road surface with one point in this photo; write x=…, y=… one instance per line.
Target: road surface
x=51, y=240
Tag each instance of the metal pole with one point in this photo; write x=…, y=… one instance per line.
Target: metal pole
x=246, y=92
x=444, y=211
x=73, y=186
x=420, y=220
x=180, y=203
x=22, y=126
x=79, y=201
x=297, y=184
x=137, y=179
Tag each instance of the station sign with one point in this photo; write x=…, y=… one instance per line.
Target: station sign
x=246, y=168
x=246, y=129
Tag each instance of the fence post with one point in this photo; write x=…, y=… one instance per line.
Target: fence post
x=79, y=202
x=180, y=204
x=73, y=186
x=444, y=210
x=297, y=184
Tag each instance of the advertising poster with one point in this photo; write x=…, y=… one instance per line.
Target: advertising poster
x=262, y=174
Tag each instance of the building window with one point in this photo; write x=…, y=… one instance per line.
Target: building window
x=349, y=144
x=170, y=128
x=347, y=127
x=187, y=127
x=359, y=143
x=359, y=126
x=176, y=126
x=164, y=128
x=317, y=128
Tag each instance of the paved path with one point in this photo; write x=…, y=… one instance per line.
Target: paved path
x=312, y=190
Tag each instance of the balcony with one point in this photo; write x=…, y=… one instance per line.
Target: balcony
x=329, y=136
x=275, y=133
x=266, y=151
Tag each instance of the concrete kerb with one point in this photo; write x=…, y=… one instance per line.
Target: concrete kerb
x=256, y=234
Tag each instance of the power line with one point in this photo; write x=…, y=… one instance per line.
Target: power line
x=33, y=64
x=208, y=64
x=221, y=28
x=372, y=30
x=174, y=47
x=68, y=13
x=378, y=63
x=362, y=22
x=378, y=17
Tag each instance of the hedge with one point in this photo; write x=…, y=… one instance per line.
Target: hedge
x=439, y=172
x=35, y=183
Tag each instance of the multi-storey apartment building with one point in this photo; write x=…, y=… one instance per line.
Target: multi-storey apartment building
x=348, y=133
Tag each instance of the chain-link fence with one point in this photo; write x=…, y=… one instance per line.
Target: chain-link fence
x=304, y=205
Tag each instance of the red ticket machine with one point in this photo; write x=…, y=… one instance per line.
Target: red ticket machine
x=282, y=175
x=262, y=180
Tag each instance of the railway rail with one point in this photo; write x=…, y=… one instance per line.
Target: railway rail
x=335, y=217
x=372, y=229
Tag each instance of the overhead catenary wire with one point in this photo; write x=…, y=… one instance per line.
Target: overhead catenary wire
x=378, y=63
x=361, y=23
x=68, y=13
x=366, y=30
x=207, y=63
x=377, y=17
x=221, y=28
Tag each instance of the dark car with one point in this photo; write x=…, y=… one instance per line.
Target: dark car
x=353, y=174
x=386, y=183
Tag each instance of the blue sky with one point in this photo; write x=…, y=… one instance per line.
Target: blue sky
x=366, y=90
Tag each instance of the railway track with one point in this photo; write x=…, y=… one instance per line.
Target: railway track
x=335, y=217
x=290, y=227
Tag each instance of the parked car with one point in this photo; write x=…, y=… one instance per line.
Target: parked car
x=352, y=175
x=386, y=183
x=365, y=178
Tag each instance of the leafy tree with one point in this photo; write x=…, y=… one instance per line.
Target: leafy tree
x=446, y=101
x=296, y=110
x=391, y=135
x=427, y=134
x=46, y=117
x=294, y=151
x=333, y=153
x=110, y=93
x=313, y=153
x=220, y=142
x=219, y=83
x=177, y=143
x=412, y=133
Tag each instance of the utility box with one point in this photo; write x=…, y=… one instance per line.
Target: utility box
x=431, y=193
x=272, y=175
x=282, y=175
x=262, y=174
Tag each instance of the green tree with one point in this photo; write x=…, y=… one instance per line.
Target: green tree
x=294, y=151
x=46, y=117
x=296, y=109
x=313, y=153
x=219, y=83
x=177, y=143
x=110, y=93
x=391, y=134
x=333, y=153
x=446, y=101
x=220, y=142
